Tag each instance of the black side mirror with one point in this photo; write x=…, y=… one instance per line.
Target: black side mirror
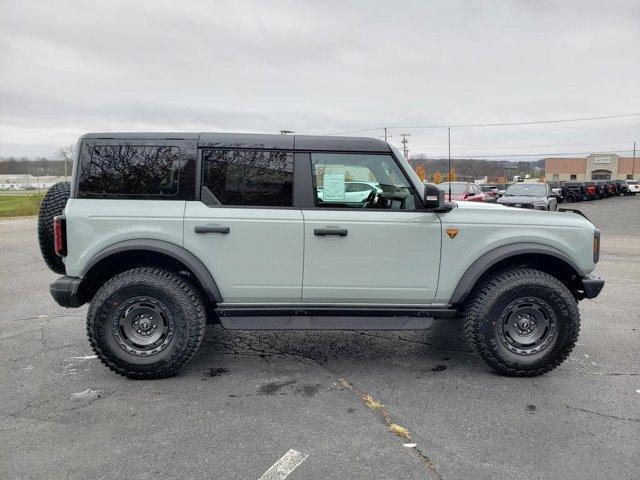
x=433, y=197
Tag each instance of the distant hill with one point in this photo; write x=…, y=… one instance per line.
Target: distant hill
x=469, y=169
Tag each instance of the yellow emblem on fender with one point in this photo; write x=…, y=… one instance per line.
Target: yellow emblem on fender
x=452, y=232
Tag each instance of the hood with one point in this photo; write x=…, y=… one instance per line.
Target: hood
x=464, y=204
x=509, y=199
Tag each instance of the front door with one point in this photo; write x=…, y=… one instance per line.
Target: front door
x=245, y=229
x=371, y=247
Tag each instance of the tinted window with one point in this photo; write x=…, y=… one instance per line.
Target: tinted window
x=249, y=177
x=129, y=170
x=345, y=180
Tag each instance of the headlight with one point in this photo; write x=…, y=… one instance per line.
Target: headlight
x=539, y=203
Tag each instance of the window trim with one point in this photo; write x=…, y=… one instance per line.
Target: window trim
x=200, y=178
x=310, y=204
x=184, y=150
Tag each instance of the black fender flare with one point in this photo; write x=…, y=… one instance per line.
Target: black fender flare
x=489, y=259
x=188, y=259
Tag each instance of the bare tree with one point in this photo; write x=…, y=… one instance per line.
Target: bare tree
x=66, y=154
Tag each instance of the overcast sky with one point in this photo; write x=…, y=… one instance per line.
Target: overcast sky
x=321, y=67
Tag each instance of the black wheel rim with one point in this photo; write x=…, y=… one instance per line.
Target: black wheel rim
x=143, y=326
x=527, y=326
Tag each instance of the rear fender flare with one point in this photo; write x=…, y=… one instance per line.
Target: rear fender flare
x=188, y=259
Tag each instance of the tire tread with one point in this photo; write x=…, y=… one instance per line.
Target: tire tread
x=193, y=328
x=489, y=290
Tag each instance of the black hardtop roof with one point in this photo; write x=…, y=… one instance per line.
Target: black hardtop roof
x=258, y=140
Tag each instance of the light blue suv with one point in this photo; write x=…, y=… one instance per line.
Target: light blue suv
x=162, y=232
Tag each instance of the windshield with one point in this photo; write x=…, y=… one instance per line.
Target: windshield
x=457, y=188
x=527, y=190
x=413, y=176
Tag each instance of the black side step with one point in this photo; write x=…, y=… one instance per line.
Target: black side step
x=330, y=318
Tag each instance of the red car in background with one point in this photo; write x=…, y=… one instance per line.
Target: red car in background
x=467, y=191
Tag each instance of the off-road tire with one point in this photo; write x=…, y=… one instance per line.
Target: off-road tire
x=52, y=205
x=485, y=309
x=183, y=305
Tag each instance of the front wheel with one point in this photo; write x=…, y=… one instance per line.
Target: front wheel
x=146, y=323
x=522, y=322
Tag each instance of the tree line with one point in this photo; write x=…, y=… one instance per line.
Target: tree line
x=40, y=166
x=434, y=169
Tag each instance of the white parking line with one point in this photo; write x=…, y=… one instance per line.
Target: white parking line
x=283, y=467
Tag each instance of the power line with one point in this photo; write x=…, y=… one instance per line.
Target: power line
x=533, y=154
x=500, y=124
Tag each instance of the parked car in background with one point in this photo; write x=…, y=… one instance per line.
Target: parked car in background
x=558, y=189
x=467, y=191
x=601, y=189
x=634, y=186
x=355, y=192
x=574, y=192
x=591, y=191
x=537, y=196
x=490, y=193
x=502, y=187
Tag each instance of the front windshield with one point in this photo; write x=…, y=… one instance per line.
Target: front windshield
x=413, y=176
x=527, y=190
x=457, y=188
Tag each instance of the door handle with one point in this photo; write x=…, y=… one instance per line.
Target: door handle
x=339, y=232
x=211, y=229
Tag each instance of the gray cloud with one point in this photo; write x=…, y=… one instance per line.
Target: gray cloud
x=321, y=67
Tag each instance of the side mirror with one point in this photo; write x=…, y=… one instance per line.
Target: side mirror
x=433, y=197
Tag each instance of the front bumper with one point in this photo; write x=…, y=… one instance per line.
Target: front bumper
x=65, y=291
x=592, y=285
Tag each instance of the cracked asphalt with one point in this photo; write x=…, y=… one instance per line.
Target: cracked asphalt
x=249, y=397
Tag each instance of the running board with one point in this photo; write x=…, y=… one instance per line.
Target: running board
x=329, y=318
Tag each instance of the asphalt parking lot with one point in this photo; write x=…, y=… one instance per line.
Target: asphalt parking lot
x=247, y=398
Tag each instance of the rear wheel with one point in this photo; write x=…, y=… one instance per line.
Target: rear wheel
x=146, y=323
x=522, y=322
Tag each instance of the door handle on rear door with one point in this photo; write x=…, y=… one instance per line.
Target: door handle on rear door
x=211, y=229
x=339, y=232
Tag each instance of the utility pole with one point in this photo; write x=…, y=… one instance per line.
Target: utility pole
x=633, y=163
x=386, y=135
x=449, y=174
x=405, y=144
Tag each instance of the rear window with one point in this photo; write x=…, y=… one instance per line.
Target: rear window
x=129, y=171
x=248, y=177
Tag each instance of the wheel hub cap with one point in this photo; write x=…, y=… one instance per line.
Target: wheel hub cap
x=143, y=326
x=527, y=326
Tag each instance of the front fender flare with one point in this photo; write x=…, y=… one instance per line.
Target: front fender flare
x=188, y=259
x=489, y=259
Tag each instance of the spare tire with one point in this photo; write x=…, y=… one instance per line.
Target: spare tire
x=52, y=205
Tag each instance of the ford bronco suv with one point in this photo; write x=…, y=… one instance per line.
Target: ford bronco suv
x=161, y=233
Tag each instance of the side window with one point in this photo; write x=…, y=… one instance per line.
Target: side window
x=248, y=177
x=348, y=180
x=116, y=171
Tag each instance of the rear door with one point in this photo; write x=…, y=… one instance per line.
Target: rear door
x=373, y=248
x=244, y=227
